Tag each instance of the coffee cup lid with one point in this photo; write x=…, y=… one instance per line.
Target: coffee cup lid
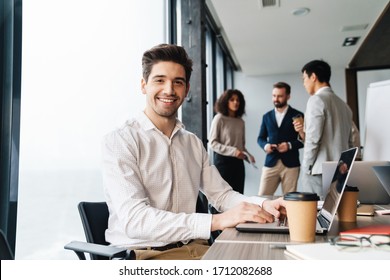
x=301, y=196
x=351, y=189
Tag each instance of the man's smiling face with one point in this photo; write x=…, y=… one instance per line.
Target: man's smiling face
x=165, y=89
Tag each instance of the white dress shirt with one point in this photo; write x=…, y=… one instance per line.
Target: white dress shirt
x=279, y=116
x=151, y=184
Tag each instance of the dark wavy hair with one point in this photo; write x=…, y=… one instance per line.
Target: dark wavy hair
x=221, y=106
x=166, y=52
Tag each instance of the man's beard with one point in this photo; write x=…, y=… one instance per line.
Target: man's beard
x=280, y=105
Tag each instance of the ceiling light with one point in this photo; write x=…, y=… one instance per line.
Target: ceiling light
x=300, y=11
x=354, y=27
x=350, y=41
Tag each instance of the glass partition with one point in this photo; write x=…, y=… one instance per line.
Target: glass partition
x=81, y=74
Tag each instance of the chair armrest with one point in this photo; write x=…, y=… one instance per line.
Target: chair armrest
x=80, y=248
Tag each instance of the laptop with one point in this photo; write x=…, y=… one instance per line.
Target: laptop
x=383, y=174
x=328, y=210
x=362, y=176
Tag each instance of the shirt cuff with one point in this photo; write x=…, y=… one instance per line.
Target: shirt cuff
x=203, y=228
x=289, y=145
x=266, y=146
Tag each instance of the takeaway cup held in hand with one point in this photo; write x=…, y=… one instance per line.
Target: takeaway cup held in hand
x=297, y=119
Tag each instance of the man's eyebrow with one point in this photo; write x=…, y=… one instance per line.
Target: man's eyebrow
x=181, y=79
x=158, y=76
x=164, y=76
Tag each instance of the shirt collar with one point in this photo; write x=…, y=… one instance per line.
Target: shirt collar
x=283, y=112
x=147, y=124
x=321, y=89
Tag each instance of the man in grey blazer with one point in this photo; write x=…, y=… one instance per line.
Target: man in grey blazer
x=327, y=129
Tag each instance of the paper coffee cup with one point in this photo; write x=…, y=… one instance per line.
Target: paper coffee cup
x=302, y=215
x=298, y=118
x=347, y=210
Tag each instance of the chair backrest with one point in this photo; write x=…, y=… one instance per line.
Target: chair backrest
x=94, y=216
x=202, y=206
x=5, y=249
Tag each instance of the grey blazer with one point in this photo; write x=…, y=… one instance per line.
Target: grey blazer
x=328, y=129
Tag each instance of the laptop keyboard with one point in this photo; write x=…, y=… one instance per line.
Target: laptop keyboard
x=323, y=222
x=283, y=222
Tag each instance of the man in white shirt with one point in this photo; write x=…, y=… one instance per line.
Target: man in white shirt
x=153, y=170
x=327, y=129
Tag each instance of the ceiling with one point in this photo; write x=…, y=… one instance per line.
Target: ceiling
x=271, y=40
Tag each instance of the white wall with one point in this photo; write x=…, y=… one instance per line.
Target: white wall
x=258, y=94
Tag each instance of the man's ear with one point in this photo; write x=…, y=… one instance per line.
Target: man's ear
x=143, y=85
x=313, y=77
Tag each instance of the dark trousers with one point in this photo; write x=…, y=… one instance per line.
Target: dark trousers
x=232, y=171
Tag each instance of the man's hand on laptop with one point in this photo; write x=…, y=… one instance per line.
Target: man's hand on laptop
x=246, y=212
x=275, y=207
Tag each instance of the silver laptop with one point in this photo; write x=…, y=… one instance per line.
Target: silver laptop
x=362, y=176
x=383, y=174
x=328, y=210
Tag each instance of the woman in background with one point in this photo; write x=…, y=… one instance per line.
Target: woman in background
x=227, y=138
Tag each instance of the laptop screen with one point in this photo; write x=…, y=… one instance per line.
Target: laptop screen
x=337, y=185
x=383, y=173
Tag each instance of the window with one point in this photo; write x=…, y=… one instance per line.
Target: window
x=81, y=74
x=219, y=71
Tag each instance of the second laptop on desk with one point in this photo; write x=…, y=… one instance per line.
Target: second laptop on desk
x=363, y=176
x=328, y=211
